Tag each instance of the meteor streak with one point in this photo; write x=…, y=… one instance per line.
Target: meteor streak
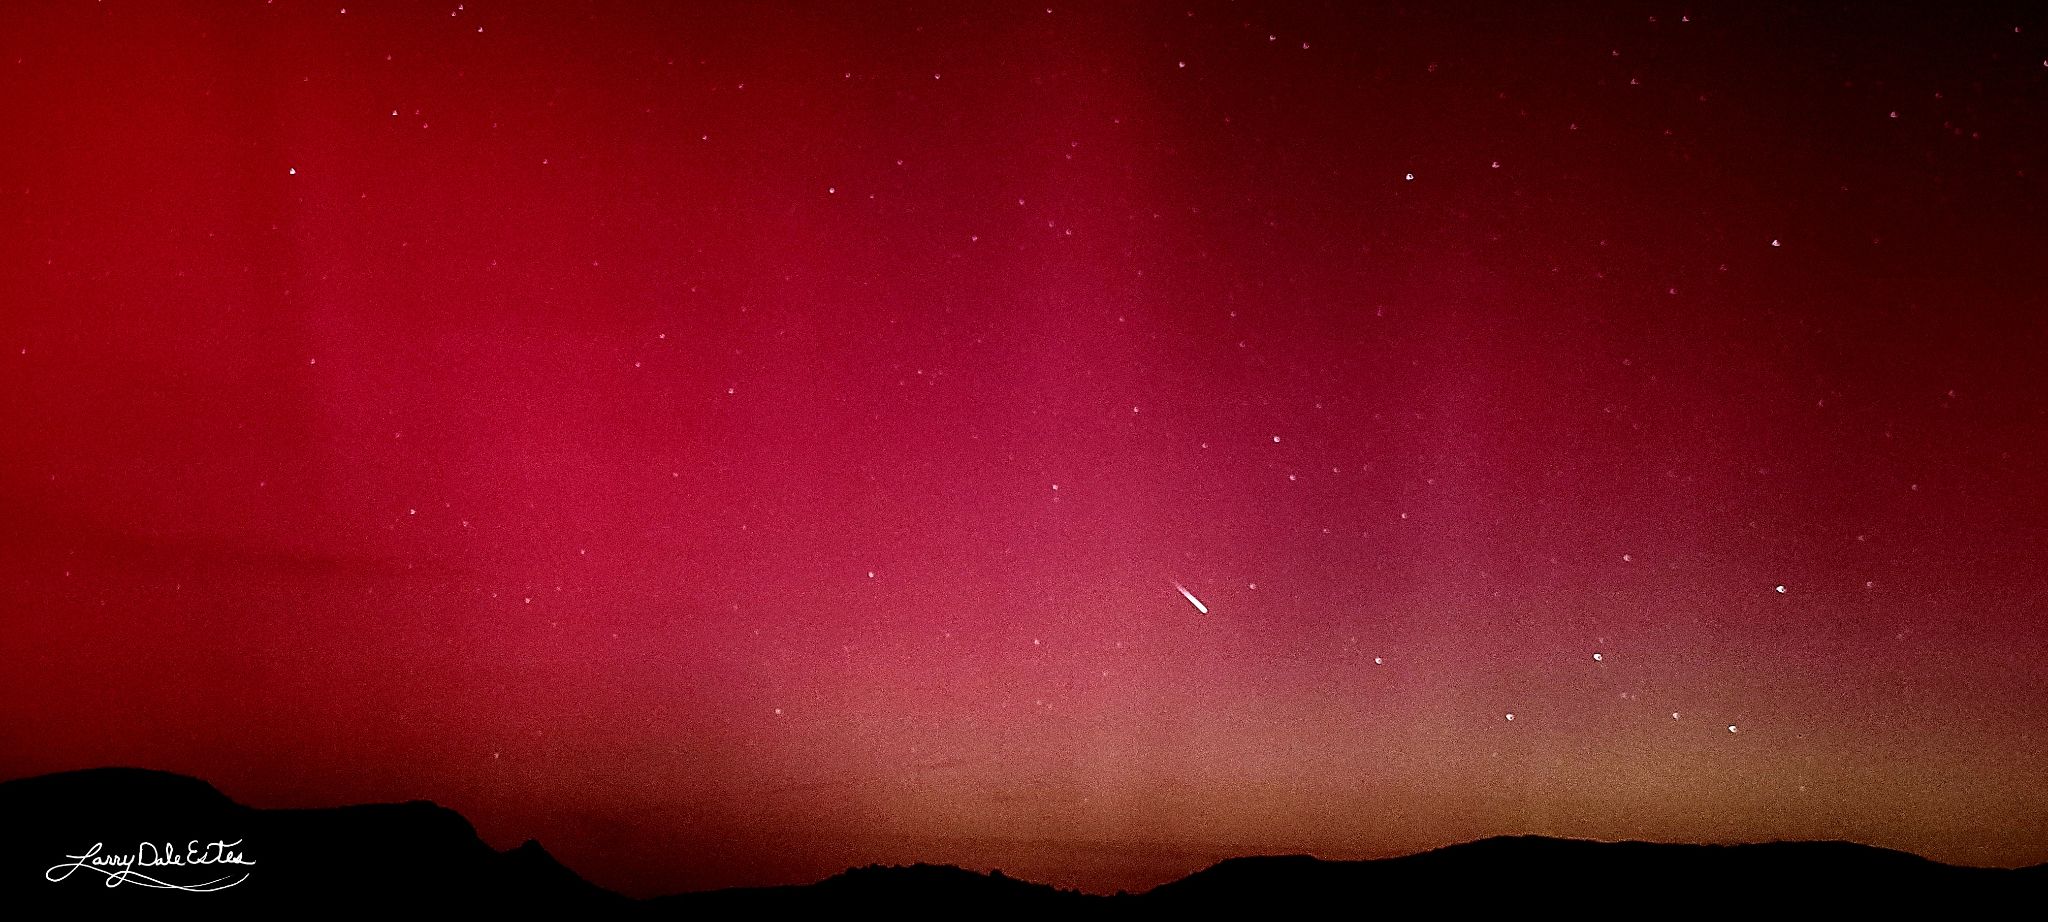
x=1197, y=603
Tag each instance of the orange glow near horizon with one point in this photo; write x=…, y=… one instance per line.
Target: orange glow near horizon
x=730, y=444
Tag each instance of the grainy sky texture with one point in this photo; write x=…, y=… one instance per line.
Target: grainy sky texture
x=732, y=442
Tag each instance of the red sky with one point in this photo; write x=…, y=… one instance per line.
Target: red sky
x=733, y=442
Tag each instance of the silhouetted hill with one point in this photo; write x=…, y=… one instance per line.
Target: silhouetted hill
x=921, y=890
x=1533, y=871
x=418, y=857
x=412, y=855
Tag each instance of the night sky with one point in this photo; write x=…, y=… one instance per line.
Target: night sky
x=729, y=443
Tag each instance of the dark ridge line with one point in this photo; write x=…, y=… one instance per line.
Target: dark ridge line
x=375, y=842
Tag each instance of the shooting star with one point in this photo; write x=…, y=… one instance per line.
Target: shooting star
x=1197, y=603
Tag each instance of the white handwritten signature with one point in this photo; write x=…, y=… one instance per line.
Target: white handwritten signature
x=120, y=869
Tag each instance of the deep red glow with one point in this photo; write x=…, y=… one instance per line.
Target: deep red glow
x=729, y=444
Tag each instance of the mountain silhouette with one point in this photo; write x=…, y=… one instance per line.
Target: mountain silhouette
x=1521, y=872
x=420, y=857
x=922, y=890
x=413, y=855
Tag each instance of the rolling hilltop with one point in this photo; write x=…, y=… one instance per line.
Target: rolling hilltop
x=421, y=857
